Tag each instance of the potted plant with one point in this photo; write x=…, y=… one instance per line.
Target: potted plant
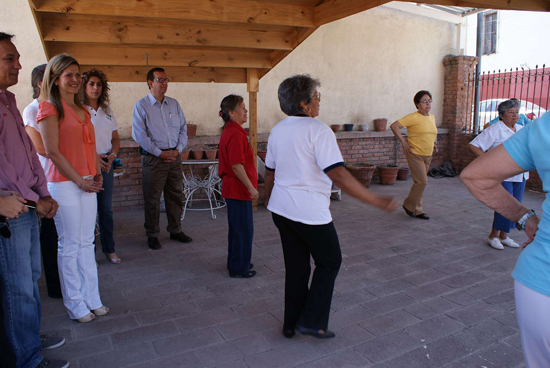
x=362, y=172
x=191, y=130
x=403, y=174
x=197, y=152
x=380, y=124
x=348, y=127
x=364, y=127
x=335, y=127
x=210, y=153
x=185, y=154
x=388, y=173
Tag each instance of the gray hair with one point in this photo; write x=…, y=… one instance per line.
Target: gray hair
x=505, y=105
x=294, y=90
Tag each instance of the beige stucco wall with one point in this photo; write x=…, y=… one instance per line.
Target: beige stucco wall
x=370, y=66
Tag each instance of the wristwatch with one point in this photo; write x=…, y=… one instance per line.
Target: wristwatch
x=520, y=225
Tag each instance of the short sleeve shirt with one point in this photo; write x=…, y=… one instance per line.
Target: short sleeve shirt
x=421, y=131
x=301, y=150
x=494, y=136
x=236, y=149
x=529, y=149
x=76, y=140
x=29, y=118
x=104, y=125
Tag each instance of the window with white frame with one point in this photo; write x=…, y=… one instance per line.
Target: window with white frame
x=490, y=21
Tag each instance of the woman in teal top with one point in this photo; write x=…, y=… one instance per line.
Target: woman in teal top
x=527, y=150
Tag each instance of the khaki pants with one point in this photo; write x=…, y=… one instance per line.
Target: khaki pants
x=419, y=166
x=158, y=177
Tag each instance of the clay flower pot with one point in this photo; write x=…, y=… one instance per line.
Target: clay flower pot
x=185, y=155
x=197, y=153
x=387, y=174
x=403, y=174
x=362, y=172
x=191, y=130
x=348, y=127
x=211, y=154
x=335, y=127
x=380, y=124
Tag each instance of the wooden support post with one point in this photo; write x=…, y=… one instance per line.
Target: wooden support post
x=252, y=86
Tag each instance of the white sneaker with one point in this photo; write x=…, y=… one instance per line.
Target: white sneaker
x=495, y=243
x=509, y=243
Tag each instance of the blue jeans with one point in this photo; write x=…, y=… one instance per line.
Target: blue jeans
x=19, y=273
x=105, y=212
x=516, y=189
x=240, y=235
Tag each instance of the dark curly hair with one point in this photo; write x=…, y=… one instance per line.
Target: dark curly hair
x=104, y=98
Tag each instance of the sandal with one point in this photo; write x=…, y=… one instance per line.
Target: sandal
x=112, y=260
x=87, y=318
x=101, y=311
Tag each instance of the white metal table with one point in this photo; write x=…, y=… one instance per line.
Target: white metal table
x=210, y=185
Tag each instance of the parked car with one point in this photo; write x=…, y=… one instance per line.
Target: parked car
x=488, y=110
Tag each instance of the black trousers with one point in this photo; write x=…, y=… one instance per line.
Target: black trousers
x=48, y=247
x=158, y=177
x=240, y=235
x=308, y=307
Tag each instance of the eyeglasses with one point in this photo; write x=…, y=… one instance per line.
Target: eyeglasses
x=161, y=80
x=317, y=95
x=5, y=230
x=426, y=102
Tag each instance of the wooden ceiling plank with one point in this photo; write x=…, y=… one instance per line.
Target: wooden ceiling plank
x=332, y=10
x=38, y=21
x=58, y=27
x=106, y=54
x=117, y=73
x=533, y=5
x=239, y=11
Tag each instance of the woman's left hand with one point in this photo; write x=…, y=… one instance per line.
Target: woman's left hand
x=107, y=165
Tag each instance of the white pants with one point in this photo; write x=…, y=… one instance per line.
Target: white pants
x=75, y=222
x=533, y=314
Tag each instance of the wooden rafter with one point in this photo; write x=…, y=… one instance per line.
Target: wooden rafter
x=219, y=41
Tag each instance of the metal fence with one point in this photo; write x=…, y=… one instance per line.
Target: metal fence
x=531, y=87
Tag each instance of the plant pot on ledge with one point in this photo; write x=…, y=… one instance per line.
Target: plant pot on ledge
x=362, y=172
x=348, y=127
x=191, y=130
x=388, y=173
x=380, y=124
x=335, y=127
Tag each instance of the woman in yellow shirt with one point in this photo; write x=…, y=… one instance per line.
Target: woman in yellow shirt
x=418, y=147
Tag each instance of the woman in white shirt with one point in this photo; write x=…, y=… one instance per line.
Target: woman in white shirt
x=96, y=100
x=302, y=162
x=490, y=138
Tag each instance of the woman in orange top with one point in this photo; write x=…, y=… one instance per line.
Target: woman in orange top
x=69, y=140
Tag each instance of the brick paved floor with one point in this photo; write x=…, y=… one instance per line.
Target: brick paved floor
x=410, y=293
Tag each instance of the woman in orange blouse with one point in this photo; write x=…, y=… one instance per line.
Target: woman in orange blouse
x=69, y=140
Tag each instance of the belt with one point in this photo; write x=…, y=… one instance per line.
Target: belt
x=168, y=149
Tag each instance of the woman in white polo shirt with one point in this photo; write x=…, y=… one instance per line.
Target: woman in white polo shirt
x=490, y=138
x=96, y=100
x=302, y=162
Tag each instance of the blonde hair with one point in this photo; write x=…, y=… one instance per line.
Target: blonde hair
x=50, y=90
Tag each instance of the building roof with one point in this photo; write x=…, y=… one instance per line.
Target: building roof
x=223, y=41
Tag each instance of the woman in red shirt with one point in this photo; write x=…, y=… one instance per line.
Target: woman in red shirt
x=74, y=180
x=239, y=185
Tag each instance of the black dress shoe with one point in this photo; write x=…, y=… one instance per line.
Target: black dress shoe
x=327, y=334
x=251, y=266
x=288, y=333
x=181, y=237
x=423, y=216
x=153, y=243
x=245, y=275
x=410, y=213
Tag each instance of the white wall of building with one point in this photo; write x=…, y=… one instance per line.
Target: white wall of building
x=522, y=37
x=370, y=66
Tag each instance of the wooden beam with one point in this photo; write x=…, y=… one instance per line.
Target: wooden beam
x=253, y=86
x=38, y=22
x=108, y=29
x=176, y=74
x=535, y=5
x=107, y=54
x=238, y=11
x=332, y=10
